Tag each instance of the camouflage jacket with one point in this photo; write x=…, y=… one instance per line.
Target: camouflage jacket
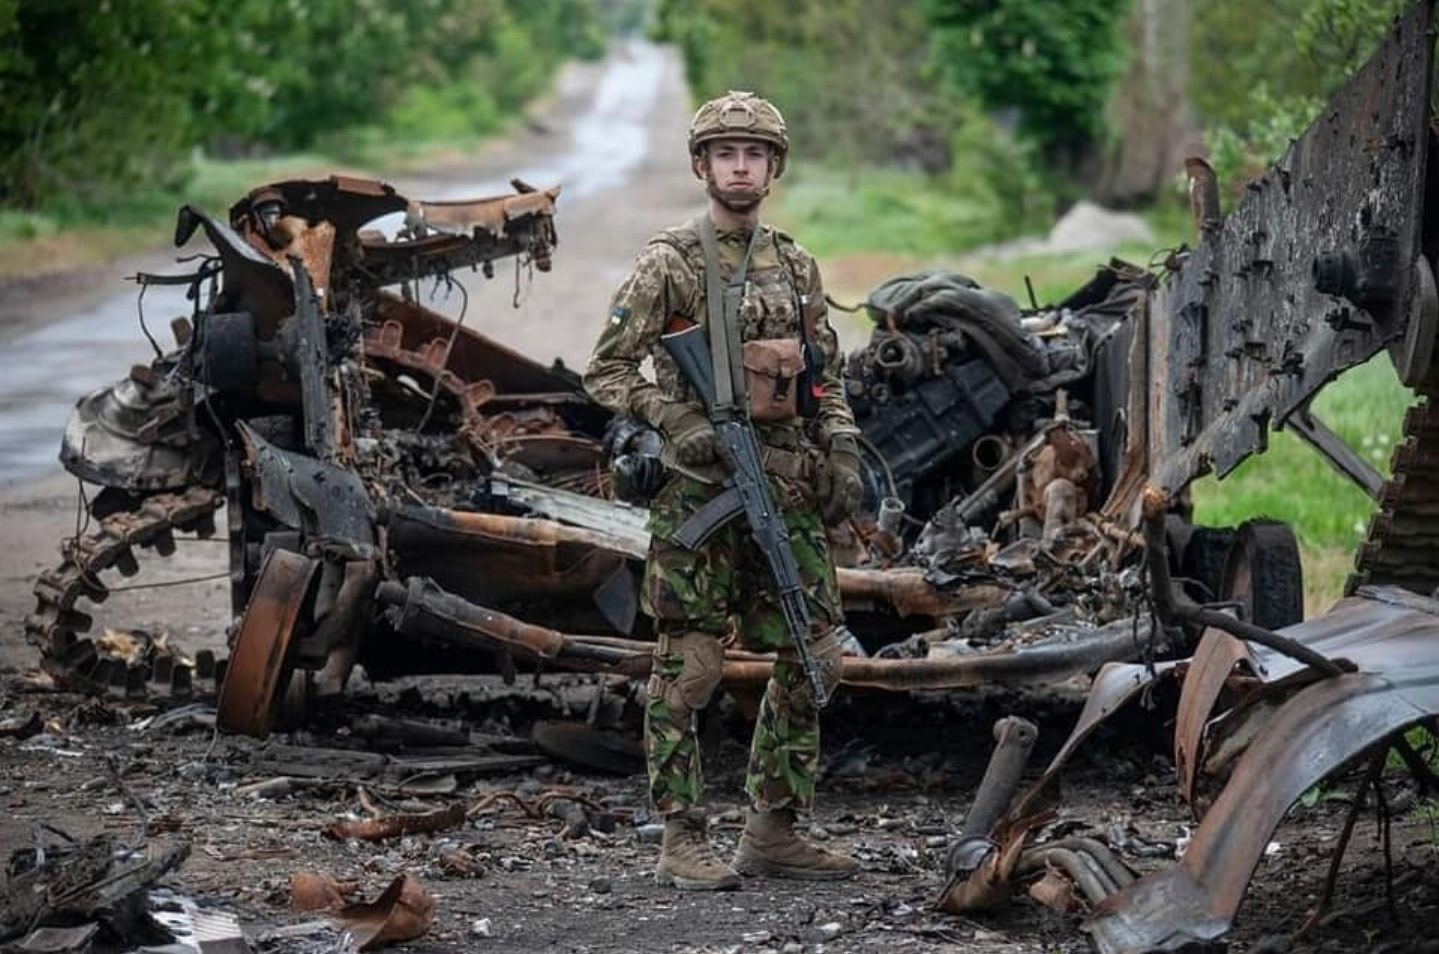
x=668, y=279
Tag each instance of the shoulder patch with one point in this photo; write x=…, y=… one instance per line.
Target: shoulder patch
x=619, y=315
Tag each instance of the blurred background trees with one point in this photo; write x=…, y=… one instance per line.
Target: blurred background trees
x=105, y=95
x=1100, y=97
x=1012, y=109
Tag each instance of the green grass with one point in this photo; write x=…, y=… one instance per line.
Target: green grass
x=837, y=212
x=1291, y=483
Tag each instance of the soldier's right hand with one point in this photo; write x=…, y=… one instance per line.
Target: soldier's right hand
x=692, y=436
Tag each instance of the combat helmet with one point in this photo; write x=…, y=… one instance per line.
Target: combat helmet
x=740, y=115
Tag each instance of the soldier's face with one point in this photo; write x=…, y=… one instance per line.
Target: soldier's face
x=737, y=171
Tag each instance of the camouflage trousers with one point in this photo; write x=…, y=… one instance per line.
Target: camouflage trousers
x=697, y=596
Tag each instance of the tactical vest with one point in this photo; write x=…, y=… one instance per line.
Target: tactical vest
x=773, y=307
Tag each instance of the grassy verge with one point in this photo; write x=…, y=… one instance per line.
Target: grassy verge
x=1289, y=482
x=76, y=233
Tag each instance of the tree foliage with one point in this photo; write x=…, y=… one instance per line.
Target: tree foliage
x=1261, y=73
x=1053, y=63
x=849, y=76
x=104, y=94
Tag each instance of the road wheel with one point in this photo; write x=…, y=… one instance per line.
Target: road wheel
x=1206, y=553
x=1263, y=574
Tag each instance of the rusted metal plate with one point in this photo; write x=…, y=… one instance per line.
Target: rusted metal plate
x=258, y=658
x=1390, y=635
x=1244, y=332
x=1214, y=660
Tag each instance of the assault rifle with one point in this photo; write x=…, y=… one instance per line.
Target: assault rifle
x=746, y=491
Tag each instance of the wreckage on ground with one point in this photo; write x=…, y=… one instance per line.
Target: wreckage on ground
x=1326, y=263
x=404, y=492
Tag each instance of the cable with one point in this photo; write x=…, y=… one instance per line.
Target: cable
x=445, y=361
x=140, y=307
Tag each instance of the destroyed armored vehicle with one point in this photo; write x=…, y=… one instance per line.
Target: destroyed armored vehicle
x=1325, y=264
x=394, y=480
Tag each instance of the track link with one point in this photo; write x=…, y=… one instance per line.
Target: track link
x=1403, y=537
x=56, y=624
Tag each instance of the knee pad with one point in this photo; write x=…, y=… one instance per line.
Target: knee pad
x=702, y=667
x=829, y=657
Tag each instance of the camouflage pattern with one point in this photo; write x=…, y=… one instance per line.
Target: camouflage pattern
x=668, y=279
x=672, y=752
x=784, y=753
x=725, y=585
x=740, y=115
x=727, y=580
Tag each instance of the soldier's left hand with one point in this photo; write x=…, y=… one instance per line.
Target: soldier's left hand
x=838, y=485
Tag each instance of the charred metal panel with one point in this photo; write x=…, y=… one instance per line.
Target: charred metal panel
x=1313, y=273
x=304, y=493
x=1389, y=636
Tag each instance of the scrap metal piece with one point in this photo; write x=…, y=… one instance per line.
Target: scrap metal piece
x=58, y=940
x=403, y=912
x=397, y=826
x=258, y=666
x=585, y=745
x=1014, y=739
x=1334, y=451
x=308, y=494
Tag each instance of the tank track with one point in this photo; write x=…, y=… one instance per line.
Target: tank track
x=56, y=625
x=1403, y=536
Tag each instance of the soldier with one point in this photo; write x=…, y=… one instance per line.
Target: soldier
x=738, y=145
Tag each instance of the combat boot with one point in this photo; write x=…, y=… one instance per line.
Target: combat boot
x=686, y=859
x=770, y=848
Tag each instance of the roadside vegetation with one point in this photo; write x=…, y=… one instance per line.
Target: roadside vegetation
x=116, y=111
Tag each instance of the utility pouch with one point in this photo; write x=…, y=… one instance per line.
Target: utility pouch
x=773, y=368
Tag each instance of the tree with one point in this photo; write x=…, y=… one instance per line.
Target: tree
x=1052, y=63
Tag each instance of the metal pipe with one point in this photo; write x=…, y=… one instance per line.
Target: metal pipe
x=1095, y=888
x=989, y=452
x=1172, y=606
x=423, y=607
x=1014, y=740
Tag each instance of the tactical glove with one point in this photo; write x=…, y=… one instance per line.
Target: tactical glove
x=690, y=434
x=838, y=485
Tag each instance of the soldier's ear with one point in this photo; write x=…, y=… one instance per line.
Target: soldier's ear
x=700, y=164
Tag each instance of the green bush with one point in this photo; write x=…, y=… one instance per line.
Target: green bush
x=991, y=192
x=1262, y=73
x=106, y=100
x=1053, y=62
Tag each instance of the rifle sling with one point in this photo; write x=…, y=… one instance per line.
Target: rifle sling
x=722, y=303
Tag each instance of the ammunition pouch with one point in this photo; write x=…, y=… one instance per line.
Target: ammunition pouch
x=773, y=373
